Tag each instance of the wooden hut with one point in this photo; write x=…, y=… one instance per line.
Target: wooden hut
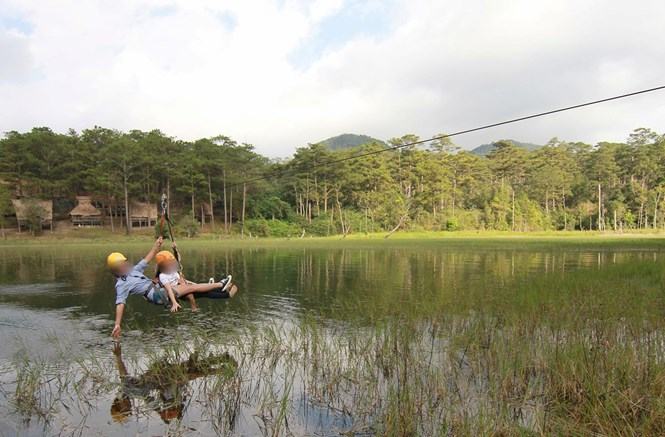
x=43, y=208
x=204, y=213
x=85, y=213
x=143, y=214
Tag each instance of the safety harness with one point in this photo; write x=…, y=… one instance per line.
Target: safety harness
x=124, y=278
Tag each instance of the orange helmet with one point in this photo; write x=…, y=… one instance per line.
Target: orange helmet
x=163, y=257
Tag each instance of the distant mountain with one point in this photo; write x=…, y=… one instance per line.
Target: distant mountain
x=485, y=149
x=347, y=141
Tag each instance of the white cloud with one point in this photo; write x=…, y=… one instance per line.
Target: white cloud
x=200, y=68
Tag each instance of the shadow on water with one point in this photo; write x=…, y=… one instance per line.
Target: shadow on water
x=385, y=339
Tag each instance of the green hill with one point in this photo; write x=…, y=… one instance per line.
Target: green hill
x=485, y=149
x=347, y=141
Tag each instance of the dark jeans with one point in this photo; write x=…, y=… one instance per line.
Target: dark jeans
x=215, y=294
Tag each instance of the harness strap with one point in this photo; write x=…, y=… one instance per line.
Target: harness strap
x=145, y=293
x=165, y=218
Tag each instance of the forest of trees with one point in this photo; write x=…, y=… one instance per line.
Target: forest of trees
x=562, y=185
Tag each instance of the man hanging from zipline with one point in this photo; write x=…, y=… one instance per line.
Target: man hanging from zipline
x=131, y=280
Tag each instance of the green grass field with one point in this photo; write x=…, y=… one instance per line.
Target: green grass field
x=97, y=236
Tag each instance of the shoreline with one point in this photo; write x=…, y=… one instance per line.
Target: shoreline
x=96, y=237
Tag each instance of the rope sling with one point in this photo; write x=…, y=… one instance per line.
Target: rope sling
x=166, y=219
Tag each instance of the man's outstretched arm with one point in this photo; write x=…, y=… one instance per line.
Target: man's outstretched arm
x=154, y=250
x=119, y=311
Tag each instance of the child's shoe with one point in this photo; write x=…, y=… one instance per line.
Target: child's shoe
x=226, y=283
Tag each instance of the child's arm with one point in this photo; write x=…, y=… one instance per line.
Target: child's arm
x=154, y=250
x=175, y=306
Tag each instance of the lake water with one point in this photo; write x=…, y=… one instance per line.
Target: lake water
x=248, y=365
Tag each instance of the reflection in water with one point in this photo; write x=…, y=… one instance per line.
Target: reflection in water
x=164, y=387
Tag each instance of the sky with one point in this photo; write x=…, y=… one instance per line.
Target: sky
x=280, y=74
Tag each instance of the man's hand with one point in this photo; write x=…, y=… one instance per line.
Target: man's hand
x=116, y=331
x=175, y=307
x=154, y=250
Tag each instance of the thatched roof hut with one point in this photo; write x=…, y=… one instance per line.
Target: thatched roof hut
x=85, y=213
x=203, y=212
x=44, y=209
x=143, y=214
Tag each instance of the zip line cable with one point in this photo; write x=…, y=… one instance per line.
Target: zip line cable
x=454, y=134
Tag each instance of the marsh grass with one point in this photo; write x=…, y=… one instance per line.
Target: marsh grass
x=580, y=353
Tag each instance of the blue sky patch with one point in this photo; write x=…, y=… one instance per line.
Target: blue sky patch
x=163, y=11
x=15, y=23
x=228, y=20
x=355, y=19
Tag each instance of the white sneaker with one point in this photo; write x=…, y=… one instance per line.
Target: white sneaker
x=226, y=282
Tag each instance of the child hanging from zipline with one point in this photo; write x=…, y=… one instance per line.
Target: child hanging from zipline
x=175, y=284
x=131, y=280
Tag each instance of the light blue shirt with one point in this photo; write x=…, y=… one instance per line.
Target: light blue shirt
x=135, y=282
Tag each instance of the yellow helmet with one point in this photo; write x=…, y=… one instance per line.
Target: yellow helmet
x=115, y=259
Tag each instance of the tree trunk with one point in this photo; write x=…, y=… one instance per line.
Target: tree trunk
x=147, y=183
x=454, y=194
x=600, y=208
x=325, y=197
x=655, y=211
x=191, y=184
x=168, y=193
x=399, y=225
x=331, y=222
x=565, y=214
x=341, y=216
x=212, y=210
x=128, y=222
x=193, y=207
x=317, y=199
x=308, y=206
x=230, y=209
x=111, y=217
x=512, y=224
x=226, y=222
x=244, y=202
